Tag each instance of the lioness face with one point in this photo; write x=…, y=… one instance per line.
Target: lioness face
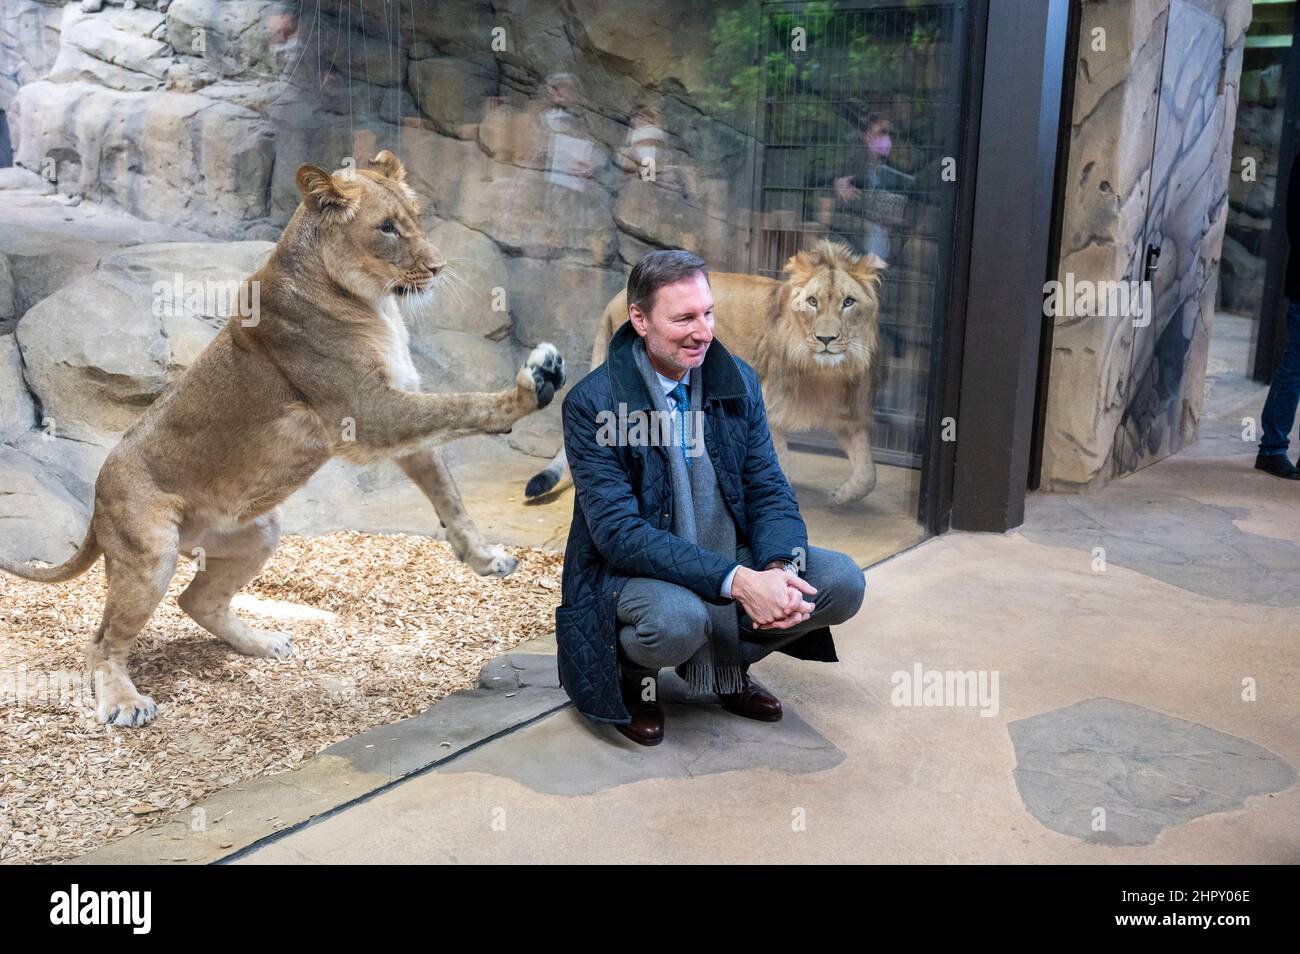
x=833, y=315
x=371, y=238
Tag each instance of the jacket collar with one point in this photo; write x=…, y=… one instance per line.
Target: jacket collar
x=720, y=374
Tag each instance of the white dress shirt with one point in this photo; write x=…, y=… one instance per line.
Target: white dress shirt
x=668, y=384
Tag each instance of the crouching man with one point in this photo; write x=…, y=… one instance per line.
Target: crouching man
x=686, y=548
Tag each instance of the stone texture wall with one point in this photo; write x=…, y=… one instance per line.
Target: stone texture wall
x=1149, y=161
x=29, y=43
x=197, y=112
x=158, y=138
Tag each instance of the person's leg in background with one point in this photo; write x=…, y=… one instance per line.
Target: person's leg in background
x=1279, y=412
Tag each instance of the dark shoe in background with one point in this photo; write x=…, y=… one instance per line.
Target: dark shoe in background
x=1279, y=465
x=753, y=702
x=647, y=725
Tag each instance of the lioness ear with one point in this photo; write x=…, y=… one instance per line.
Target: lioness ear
x=389, y=166
x=325, y=193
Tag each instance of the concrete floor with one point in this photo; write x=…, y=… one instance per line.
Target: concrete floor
x=1144, y=709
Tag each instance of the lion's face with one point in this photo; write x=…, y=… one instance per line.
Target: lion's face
x=832, y=311
x=370, y=233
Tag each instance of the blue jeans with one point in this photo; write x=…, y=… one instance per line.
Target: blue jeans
x=1284, y=393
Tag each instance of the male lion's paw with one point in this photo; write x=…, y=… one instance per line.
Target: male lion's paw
x=545, y=371
x=844, y=495
x=848, y=493
x=493, y=561
x=127, y=709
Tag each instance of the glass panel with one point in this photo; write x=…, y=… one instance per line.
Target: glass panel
x=1252, y=188
x=552, y=147
x=856, y=140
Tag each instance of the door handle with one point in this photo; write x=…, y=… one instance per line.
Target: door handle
x=1150, y=262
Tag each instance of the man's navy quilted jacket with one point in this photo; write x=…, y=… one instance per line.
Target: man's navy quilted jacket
x=622, y=514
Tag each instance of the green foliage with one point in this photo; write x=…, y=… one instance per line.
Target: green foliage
x=799, y=78
x=817, y=98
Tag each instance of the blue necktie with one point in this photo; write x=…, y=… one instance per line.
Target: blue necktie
x=678, y=394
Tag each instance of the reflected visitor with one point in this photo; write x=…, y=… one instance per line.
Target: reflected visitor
x=644, y=152
x=562, y=145
x=283, y=39
x=869, y=201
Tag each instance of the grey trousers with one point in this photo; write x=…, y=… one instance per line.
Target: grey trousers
x=663, y=624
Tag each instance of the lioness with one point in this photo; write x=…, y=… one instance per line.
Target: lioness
x=812, y=339
x=322, y=369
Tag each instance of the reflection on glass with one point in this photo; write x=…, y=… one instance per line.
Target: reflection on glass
x=857, y=144
x=1256, y=154
x=553, y=146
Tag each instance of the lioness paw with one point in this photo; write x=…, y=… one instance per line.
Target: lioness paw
x=493, y=561
x=278, y=645
x=129, y=710
x=281, y=645
x=545, y=372
x=255, y=642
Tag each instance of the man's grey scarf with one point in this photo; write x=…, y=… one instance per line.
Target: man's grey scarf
x=700, y=515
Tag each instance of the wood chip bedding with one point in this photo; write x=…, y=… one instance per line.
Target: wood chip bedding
x=383, y=627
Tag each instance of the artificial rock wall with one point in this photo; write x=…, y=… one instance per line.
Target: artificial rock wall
x=153, y=139
x=1149, y=161
x=196, y=113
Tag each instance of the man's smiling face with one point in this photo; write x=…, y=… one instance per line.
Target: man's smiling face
x=679, y=328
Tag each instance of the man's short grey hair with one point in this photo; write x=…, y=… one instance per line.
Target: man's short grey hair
x=657, y=269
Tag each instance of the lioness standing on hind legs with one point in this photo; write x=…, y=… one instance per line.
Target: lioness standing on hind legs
x=322, y=369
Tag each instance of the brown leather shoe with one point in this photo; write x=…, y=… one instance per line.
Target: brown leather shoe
x=753, y=702
x=647, y=725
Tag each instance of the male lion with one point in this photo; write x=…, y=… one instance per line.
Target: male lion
x=322, y=369
x=812, y=339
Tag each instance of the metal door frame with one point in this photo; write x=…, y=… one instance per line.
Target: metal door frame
x=987, y=372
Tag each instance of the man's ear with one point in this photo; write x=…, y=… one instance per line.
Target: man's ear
x=389, y=166
x=638, y=319
x=326, y=194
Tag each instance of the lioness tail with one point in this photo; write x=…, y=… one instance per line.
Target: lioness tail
x=74, y=566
